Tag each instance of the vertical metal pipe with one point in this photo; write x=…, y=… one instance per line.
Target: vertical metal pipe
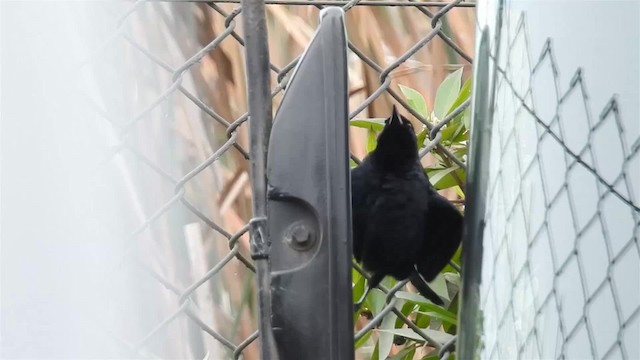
x=470, y=316
x=259, y=95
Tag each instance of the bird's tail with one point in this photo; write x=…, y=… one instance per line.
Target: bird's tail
x=424, y=289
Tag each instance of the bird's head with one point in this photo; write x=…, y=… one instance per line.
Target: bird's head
x=397, y=147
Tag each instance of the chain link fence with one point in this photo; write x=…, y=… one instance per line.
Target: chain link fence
x=182, y=159
x=561, y=254
x=169, y=173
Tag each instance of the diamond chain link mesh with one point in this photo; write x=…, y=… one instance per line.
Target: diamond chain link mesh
x=197, y=194
x=562, y=214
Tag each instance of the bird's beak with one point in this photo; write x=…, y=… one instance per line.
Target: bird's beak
x=395, y=116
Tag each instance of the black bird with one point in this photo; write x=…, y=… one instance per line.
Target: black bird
x=401, y=226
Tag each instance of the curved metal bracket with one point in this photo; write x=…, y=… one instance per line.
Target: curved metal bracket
x=309, y=203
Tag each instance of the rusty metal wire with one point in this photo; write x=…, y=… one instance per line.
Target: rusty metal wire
x=183, y=293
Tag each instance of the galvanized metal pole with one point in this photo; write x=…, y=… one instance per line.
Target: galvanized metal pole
x=259, y=95
x=476, y=186
x=470, y=335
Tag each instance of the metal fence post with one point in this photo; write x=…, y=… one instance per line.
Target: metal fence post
x=472, y=258
x=259, y=96
x=469, y=340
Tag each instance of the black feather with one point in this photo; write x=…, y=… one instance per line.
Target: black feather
x=401, y=226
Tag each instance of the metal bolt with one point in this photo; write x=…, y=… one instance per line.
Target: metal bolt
x=299, y=236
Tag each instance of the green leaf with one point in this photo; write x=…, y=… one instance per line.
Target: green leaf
x=438, y=336
x=439, y=286
x=422, y=321
x=357, y=290
x=415, y=100
x=435, y=175
x=404, y=354
x=452, y=356
x=447, y=93
x=463, y=95
x=433, y=314
x=375, y=301
x=431, y=357
x=363, y=340
x=385, y=341
x=453, y=328
x=410, y=354
x=461, y=135
x=372, y=140
x=455, y=259
x=355, y=275
x=459, y=151
x=451, y=131
x=466, y=118
x=413, y=298
x=422, y=136
x=376, y=124
x=358, y=287
x=441, y=178
x=374, y=354
x=427, y=306
x=406, y=309
x=452, y=277
x=389, y=281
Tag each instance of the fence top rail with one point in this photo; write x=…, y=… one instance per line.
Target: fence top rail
x=336, y=3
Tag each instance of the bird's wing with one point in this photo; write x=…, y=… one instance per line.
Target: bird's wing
x=361, y=185
x=444, y=227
